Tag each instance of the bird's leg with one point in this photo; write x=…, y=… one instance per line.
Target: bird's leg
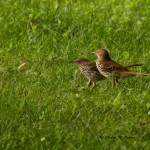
x=113, y=81
x=94, y=84
x=89, y=83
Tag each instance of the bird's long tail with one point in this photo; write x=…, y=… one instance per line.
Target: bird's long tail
x=134, y=65
x=128, y=73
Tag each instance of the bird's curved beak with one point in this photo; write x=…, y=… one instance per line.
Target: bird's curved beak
x=72, y=61
x=93, y=52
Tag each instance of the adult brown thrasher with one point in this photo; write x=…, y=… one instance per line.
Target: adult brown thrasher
x=111, y=69
x=89, y=70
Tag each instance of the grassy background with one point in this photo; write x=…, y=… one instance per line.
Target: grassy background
x=40, y=105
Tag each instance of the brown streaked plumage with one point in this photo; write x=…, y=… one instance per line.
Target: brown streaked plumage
x=111, y=69
x=90, y=71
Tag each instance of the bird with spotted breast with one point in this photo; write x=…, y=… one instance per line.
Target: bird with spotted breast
x=111, y=69
x=89, y=70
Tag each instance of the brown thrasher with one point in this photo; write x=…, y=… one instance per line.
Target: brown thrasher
x=89, y=70
x=111, y=69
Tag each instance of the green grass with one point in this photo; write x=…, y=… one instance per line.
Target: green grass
x=40, y=105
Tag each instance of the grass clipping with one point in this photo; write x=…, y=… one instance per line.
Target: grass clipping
x=117, y=99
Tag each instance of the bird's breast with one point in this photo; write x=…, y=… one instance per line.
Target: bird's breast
x=100, y=66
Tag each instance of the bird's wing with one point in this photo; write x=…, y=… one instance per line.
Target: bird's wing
x=114, y=66
x=92, y=66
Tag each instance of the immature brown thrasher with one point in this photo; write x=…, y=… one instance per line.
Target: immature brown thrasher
x=111, y=69
x=89, y=70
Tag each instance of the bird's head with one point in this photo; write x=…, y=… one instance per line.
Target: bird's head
x=79, y=61
x=102, y=54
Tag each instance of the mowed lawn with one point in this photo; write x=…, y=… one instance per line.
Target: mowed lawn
x=45, y=102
